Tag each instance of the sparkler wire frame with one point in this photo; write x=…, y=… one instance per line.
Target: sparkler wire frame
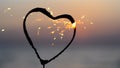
x=44, y=11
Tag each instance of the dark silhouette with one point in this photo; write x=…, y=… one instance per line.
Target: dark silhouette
x=44, y=11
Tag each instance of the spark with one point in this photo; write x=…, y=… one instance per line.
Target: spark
x=51, y=12
x=48, y=8
x=65, y=22
x=62, y=34
x=23, y=17
x=52, y=32
x=68, y=26
x=8, y=9
x=61, y=38
x=39, y=28
x=3, y=30
x=54, y=38
x=82, y=17
x=38, y=32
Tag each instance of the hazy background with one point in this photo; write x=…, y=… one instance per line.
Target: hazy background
x=97, y=46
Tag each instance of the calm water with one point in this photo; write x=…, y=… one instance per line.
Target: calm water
x=79, y=57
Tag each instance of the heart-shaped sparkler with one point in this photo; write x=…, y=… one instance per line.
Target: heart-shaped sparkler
x=45, y=12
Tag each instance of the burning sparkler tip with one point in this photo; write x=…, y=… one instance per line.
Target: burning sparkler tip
x=74, y=25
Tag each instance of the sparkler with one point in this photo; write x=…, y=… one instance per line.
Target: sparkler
x=67, y=25
x=49, y=14
x=59, y=30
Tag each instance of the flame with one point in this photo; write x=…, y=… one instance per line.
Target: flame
x=74, y=25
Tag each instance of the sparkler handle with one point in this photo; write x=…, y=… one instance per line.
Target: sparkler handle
x=44, y=66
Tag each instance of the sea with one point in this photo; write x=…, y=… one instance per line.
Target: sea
x=75, y=56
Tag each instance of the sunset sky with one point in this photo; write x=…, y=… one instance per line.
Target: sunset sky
x=97, y=41
x=103, y=14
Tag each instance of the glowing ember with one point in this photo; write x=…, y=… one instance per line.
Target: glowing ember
x=74, y=25
x=51, y=12
x=52, y=32
x=8, y=8
x=62, y=34
x=38, y=32
x=39, y=28
x=23, y=17
x=48, y=8
x=54, y=38
x=82, y=17
x=61, y=38
x=3, y=30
